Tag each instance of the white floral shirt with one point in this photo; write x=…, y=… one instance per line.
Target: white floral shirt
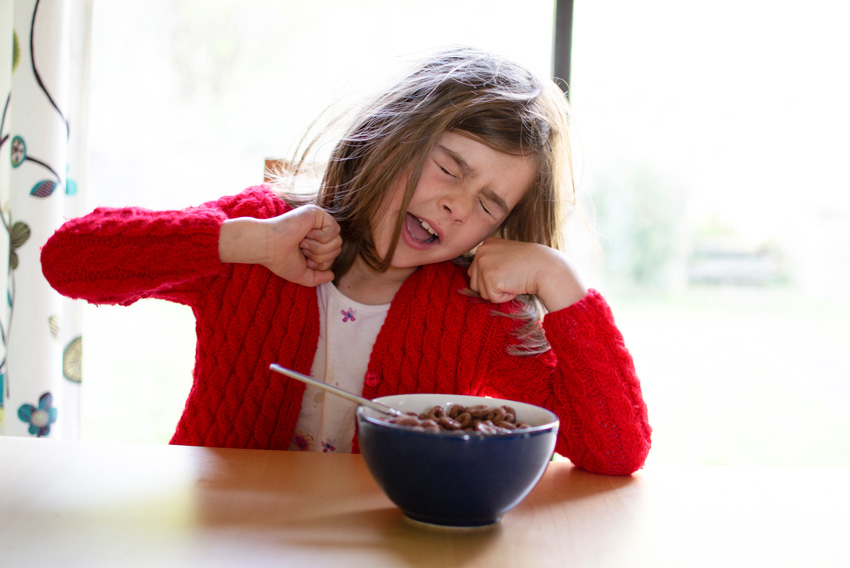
x=347, y=335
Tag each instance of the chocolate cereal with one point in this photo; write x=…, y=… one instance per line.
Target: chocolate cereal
x=459, y=418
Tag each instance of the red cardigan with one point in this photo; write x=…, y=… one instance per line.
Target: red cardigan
x=434, y=339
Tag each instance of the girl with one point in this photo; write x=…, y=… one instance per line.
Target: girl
x=429, y=261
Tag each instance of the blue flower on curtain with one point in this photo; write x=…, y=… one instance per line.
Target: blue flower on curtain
x=39, y=418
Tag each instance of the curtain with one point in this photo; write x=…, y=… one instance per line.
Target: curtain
x=44, y=64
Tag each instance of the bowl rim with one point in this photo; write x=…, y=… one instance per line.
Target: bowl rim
x=554, y=422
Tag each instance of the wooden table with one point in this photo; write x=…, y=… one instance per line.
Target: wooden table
x=85, y=504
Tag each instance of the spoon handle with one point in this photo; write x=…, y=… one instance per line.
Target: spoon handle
x=335, y=390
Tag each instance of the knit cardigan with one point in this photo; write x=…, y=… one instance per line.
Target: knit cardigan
x=434, y=339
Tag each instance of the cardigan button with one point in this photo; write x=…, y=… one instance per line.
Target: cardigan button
x=372, y=379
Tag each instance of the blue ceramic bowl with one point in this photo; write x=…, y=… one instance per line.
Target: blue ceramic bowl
x=451, y=479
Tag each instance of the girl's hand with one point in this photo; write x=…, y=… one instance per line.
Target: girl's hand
x=299, y=245
x=504, y=269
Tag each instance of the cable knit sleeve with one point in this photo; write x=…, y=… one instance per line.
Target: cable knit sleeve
x=588, y=378
x=606, y=426
x=121, y=255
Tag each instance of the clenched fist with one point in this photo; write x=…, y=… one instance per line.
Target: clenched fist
x=299, y=245
x=503, y=269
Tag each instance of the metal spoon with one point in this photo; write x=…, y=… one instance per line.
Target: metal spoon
x=336, y=390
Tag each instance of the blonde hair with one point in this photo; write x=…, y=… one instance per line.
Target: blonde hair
x=481, y=95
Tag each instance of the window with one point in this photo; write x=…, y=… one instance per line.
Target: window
x=714, y=143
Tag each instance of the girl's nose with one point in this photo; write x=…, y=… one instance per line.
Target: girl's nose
x=457, y=206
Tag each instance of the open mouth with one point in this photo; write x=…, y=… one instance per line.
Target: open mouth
x=421, y=230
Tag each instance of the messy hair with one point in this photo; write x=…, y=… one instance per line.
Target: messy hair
x=474, y=93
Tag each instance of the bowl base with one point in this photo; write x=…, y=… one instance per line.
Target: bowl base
x=450, y=528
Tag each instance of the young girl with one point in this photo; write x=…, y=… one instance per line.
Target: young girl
x=429, y=261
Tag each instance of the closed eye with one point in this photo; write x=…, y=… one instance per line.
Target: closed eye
x=486, y=209
x=495, y=202
x=447, y=172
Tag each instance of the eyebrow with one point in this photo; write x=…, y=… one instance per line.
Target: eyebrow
x=488, y=192
x=467, y=169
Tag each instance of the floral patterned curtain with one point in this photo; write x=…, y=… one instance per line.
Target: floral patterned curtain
x=44, y=64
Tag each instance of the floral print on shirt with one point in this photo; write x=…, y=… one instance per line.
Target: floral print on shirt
x=348, y=315
x=302, y=442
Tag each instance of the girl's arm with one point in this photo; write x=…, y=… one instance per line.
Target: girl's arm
x=121, y=255
x=588, y=378
x=596, y=390
x=503, y=269
x=118, y=256
x=299, y=245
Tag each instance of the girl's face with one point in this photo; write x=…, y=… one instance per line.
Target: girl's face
x=465, y=192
